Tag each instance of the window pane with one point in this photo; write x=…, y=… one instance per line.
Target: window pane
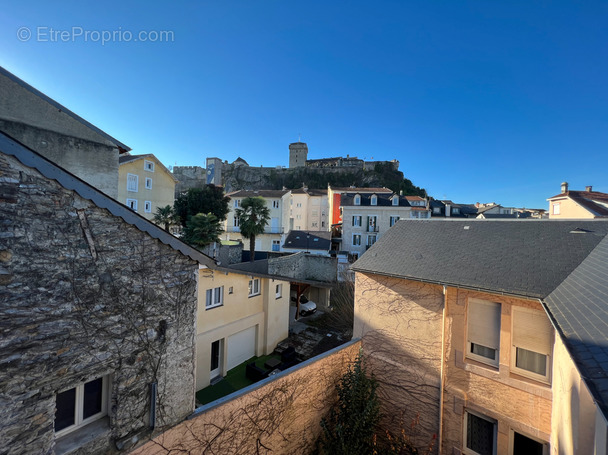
x=483, y=351
x=215, y=354
x=522, y=444
x=531, y=361
x=93, y=392
x=480, y=435
x=65, y=413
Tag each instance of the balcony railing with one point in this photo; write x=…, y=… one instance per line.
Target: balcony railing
x=372, y=229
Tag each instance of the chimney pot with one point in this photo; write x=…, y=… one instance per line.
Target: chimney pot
x=564, y=187
x=588, y=189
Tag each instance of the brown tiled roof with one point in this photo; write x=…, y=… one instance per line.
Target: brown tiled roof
x=588, y=200
x=414, y=198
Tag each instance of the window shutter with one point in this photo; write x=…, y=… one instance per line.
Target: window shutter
x=532, y=331
x=209, y=297
x=484, y=323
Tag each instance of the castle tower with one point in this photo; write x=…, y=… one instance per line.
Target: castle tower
x=214, y=171
x=298, y=154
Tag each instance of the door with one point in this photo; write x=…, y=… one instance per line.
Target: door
x=241, y=347
x=216, y=359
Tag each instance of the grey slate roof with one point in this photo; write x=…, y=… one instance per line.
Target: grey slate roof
x=319, y=240
x=522, y=257
x=50, y=170
x=579, y=307
x=383, y=200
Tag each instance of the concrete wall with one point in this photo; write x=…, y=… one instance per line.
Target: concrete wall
x=163, y=186
x=305, y=267
x=267, y=313
x=68, y=317
x=400, y=323
x=58, y=137
x=278, y=415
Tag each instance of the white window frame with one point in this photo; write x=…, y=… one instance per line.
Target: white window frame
x=393, y=220
x=512, y=432
x=149, y=166
x=371, y=239
x=483, y=329
x=373, y=200
x=275, y=204
x=356, y=239
x=254, y=287
x=237, y=203
x=556, y=208
x=357, y=200
x=437, y=210
x=214, y=297
x=465, y=448
x=395, y=200
x=79, y=421
x=132, y=204
x=533, y=333
x=132, y=182
x=278, y=291
x=356, y=220
x=372, y=223
x=148, y=183
x=148, y=206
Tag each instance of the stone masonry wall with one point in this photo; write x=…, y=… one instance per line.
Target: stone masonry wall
x=83, y=295
x=305, y=267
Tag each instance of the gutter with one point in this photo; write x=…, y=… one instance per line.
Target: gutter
x=445, y=305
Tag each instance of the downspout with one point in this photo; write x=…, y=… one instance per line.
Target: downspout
x=445, y=304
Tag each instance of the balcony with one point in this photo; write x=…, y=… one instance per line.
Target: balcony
x=372, y=229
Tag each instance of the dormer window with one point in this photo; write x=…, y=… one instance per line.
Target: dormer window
x=357, y=199
x=396, y=200
x=374, y=200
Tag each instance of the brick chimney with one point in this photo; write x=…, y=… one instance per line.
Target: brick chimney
x=589, y=189
x=564, y=187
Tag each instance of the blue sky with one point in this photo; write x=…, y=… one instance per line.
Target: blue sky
x=479, y=101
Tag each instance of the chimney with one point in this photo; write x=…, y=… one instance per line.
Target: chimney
x=448, y=210
x=588, y=189
x=564, y=187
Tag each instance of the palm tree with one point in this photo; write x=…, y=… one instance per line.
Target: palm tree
x=253, y=217
x=201, y=230
x=165, y=216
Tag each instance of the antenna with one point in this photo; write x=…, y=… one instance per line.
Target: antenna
x=299, y=137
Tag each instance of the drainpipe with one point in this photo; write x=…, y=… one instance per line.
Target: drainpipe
x=445, y=305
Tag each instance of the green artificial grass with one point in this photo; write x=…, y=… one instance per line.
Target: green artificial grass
x=234, y=380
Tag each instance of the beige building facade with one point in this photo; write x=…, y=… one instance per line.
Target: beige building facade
x=145, y=184
x=571, y=204
x=240, y=315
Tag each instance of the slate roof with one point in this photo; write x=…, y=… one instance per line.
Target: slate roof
x=361, y=190
x=257, y=193
x=50, y=170
x=527, y=258
x=319, y=240
x=384, y=200
x=122, y=147
x=579, y=307
x=591, y=200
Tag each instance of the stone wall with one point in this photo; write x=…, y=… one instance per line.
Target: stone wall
x=86, y=295
x=188, y=177
x=305, y=267
x=279, y=415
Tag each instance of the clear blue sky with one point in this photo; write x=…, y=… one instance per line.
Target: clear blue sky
x=479, y=101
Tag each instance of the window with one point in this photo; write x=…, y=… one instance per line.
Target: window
x=276, y=245
x=237, y=203
x=148, y=183
x=373, y=200
x=356, y=239
x=556, y=208
x=371, y=224
x=299, y=204
x=532, y=344
x=215, y=297
x=357, y=220
x=322, y=224
x=437, y=210
x=315, y=224
x=483, y=331
x=149, y=165
x=371, y=239
x=527, y=445
x=455, y=211
x=230, y=290
x=275, y=204
x=357, y=200
x=81, y=405
x=393, y=220
x=278, y=291
x=237, y=222
x=254, y=287
x=395, y=200
x=132, y=182
x=480, y=435
x=132, y=204
x=148, y=207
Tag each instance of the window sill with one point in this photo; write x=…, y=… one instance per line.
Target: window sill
x=253, y=295
x=210, y=307
x=78, y=439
